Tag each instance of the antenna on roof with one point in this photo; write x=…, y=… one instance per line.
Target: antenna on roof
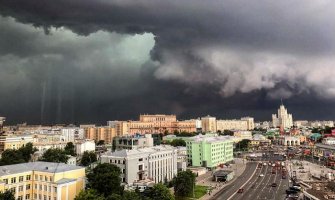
x=281, y=100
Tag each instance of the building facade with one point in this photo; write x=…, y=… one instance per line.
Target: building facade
x=283, y=118
x=209, y=152
x=42, y=180
x=104, y=133
x=149, y=124
x=84, y=145
x=157, y=163
x=133, y=142
x=14, y=141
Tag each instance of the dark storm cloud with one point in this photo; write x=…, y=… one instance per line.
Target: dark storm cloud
x=213, y=52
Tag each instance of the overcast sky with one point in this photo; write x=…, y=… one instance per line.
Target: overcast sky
x=84, y=61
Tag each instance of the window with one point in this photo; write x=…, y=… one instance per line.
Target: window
x=20, y=178
x=45, y=197
x=6, y=180
x=40, y=196
x=36, y=177
x=46, y=178
x=28, y=177
x=55, y=188
x=41, y=178
x=13, y=189
x=50, y=178
x=28, y=187
x=20, y=188
x=13, y=180
x=40, y=187
x=19, y=197
x=35, y=186
x=27, y=196
x=141, y=159
x=45, y=188
x=35, y=195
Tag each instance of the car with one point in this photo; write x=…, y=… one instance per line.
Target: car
x=240, y=190
x=295, y=189
x=265, y=164
x=261, y=175
x=274, y=185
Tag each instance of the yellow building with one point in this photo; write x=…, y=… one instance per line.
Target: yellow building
x=14, y=141
x=100, y=133
x=42, y=180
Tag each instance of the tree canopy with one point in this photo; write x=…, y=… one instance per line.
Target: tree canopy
x=70, y=149
x=105, y=179
x=183, y=183
x=21, y=155
x=88, y=195
x=55, y=155
x=7, y=195
x=88, y=158
x=243, y=144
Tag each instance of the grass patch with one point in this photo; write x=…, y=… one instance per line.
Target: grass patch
x=200, y=191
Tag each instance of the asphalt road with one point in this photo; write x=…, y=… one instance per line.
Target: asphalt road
x=260, y=187
x=257, y=187
x=229, y=190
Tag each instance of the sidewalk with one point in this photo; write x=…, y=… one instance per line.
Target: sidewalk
x=206, y=179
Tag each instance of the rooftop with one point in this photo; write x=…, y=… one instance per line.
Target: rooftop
x=134, y=152
x=37, y=166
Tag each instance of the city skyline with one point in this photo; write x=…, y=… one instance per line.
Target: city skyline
x=91, y=61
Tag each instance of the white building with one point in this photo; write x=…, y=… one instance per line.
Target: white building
x=72, y=134
x=283, y=118
x=156, y=163
x=321, y=124
x=208, y=124
x=84, y=145
x=211, y=124
x=289, y=141
x=133, y=141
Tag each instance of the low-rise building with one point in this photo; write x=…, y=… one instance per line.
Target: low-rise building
x=243, y=135
x=14, y=141
x=158, y=163
x=209, y=152
x=289, y=140
x=84, y=145
x=42, y=180
x=133, y=141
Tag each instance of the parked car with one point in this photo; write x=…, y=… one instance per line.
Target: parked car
x=240, y=190
x=261, y=175
x=274, y=185
x=291, y=191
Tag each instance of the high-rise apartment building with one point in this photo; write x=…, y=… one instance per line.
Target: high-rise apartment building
x=208, y=124
x=42, y=180
x=104, y=133
x=283, y=118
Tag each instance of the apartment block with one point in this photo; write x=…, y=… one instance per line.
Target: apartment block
x=100, y=133
x=210, y=152
x=42, y=180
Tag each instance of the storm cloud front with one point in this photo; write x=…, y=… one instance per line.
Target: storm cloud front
x=85, y=61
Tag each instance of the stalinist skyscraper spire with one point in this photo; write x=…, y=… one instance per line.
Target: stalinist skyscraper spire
x=283, y=119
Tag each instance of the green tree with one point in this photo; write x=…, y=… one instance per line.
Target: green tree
x=26, y=151
x=89, y=195
x=70, y=149
x=161, y=192
x=130, y=195
x=105, y=179
x=11, y=156
x=183, y=183
x=101, y=142
x=7, y=195
x=243, y=144
x=88, y=158
x=55, y=155
x=114, y=197
x=178, y=142
x=228, y=132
